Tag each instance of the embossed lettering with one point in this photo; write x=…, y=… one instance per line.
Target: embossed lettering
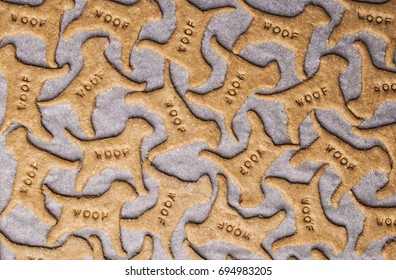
x=185, y=40
x=111, y=19
x=28, y=178
x=27, y=20
x=174, y=113
x=234, y=230
x=340, y=157
x=235, y=85
x=307, y=215
x=284, y=32
x=88, y=85
x=310, y=97
x=168, y=204
x=90, y=214
x=249, y=163
x=23, y=96
x=378, y=19
x=110, y=154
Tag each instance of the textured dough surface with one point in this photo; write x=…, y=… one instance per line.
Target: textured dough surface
x=175, y=129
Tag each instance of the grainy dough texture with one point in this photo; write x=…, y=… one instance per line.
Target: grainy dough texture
x=175, y=129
